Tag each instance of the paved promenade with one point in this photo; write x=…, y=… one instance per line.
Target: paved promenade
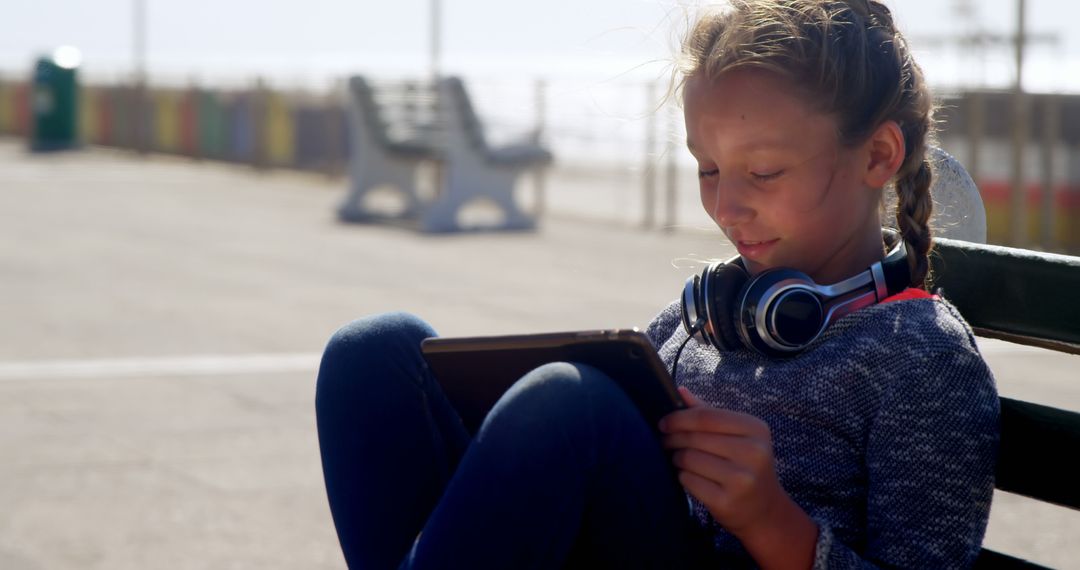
x=160, y=327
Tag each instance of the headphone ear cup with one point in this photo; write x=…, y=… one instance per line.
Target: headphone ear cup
x=797, y=315
x=726, y=283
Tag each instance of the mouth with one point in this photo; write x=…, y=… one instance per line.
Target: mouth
x=750, y=249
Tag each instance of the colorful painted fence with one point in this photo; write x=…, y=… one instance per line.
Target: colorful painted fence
x=14, y=108
x=1065, y=212
x=264, y=128
x=273, y=129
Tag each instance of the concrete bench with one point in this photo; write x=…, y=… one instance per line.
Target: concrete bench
x=396, y=128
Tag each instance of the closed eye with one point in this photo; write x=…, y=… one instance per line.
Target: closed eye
x=767, y=177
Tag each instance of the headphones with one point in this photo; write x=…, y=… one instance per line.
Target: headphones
x=779, y=312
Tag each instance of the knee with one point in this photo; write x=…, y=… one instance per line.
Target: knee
x=572, y=395
x=369, y=343
x=377, y=334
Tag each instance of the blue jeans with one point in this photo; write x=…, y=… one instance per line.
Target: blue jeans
x=563, y=471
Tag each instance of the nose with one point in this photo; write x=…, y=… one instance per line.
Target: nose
x=726, y=203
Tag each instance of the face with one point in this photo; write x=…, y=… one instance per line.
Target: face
x=776, y=180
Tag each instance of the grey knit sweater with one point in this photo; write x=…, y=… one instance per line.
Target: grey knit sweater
x=884, y=431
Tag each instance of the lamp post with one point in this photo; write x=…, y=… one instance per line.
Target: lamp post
x=139, y=40
x=138, y=126
x=436, y=37
x=1018, y=194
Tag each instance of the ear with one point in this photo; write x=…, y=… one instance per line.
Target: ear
x=885, y=154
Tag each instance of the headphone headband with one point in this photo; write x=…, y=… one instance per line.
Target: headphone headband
x=897, y=271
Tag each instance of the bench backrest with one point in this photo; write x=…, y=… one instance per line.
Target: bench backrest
x=397, y=112
x=458, y=103
x=1029, y=298
x=418, y=111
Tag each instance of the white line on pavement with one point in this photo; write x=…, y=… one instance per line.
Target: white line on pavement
x=203, y=365
x=161, y=366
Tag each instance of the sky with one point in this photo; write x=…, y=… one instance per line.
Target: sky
x=310, y=41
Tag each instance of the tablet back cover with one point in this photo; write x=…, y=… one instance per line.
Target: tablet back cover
x=475, y=372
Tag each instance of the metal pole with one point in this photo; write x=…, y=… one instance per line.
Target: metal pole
x=140, y=40
x=672, y=178
x=333, y=125
x=259, y=155
x=648, y=170
x=436, y=38
x=1051, y=132
x=138, y=125
x=1017, y=202
x=539, y=175
x=976, y=132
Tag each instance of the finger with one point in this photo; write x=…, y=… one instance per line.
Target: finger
x=709, y=493
x=714, y=420
x=745, y=451
x=689, y=397
x=711, y=467
x=723, y=445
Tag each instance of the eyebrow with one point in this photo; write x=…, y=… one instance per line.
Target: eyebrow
x=778, y=144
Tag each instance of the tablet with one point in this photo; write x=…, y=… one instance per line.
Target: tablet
x=474, y=372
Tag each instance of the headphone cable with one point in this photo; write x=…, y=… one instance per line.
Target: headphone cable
x=678, y=353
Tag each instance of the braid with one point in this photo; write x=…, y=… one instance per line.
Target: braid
x=913, y=210
x=880, y=14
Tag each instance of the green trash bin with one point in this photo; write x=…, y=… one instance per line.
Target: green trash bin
x=56, y=101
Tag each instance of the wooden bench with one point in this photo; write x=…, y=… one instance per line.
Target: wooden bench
x=1019, y=296
x=1030, y=298
x=396, y=128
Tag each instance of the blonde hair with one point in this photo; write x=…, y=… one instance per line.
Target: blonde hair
x=850, y=61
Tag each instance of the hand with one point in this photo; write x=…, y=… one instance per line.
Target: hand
x=725, y=460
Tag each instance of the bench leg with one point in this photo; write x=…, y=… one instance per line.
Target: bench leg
x=464, y=185
x=368, y=175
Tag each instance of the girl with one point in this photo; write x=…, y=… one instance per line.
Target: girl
x=873, y=447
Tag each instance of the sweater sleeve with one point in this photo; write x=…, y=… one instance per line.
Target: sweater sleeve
x=930, y=461
x=664, y=324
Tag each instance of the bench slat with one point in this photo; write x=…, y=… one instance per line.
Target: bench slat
x=1020, y=295
x=1037, y=457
